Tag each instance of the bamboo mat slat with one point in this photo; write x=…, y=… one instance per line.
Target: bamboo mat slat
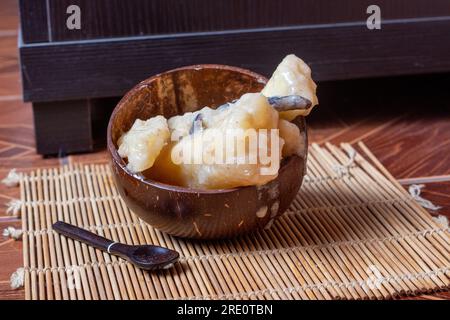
x=351, y=233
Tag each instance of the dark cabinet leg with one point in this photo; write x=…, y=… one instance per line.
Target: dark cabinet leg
x=63, y=127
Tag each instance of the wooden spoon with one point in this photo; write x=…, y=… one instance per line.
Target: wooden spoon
x=287, y=103
x=147, y=257
x=279, y=103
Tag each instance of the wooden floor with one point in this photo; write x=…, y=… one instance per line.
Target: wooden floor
x=404, y=121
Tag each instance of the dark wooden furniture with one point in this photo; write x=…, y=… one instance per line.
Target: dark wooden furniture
x=123, y=42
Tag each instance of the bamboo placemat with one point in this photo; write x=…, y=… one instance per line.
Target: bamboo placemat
x=352, y=232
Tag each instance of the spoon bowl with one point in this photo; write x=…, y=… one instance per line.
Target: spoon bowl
x=151, y=257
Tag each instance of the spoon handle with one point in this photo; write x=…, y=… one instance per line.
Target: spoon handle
x=287, y=103
x=82, y=235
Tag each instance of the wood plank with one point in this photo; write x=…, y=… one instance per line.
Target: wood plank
x=11, y=259
x=407, y=130
x=21, y=137
x=101, y=68
x=10, y=84
x=423, y=180
x=416, y=146
x=12, y=152
x=6, y=293
x=34, y=22
x=9, y=18
x=15, y=113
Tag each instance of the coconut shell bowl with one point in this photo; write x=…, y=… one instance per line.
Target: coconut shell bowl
x=195, y=213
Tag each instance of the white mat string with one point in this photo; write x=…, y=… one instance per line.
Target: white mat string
x=415, y=191
x=12, y=179
x=344, y=169
x=12, y=233
x=17, y=278
x=14, y=207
